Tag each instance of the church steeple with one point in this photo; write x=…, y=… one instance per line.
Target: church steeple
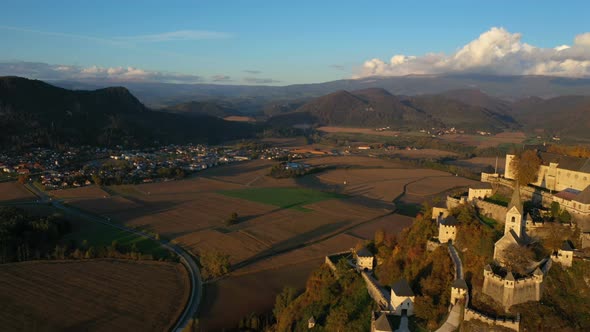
x=515, y=201
x=515, y=214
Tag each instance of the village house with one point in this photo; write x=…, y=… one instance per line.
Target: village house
x=479, y=191
x=381, y=322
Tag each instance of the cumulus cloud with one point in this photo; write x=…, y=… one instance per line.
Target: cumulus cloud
x=44, y=71
x=220, y=78
x=256, y=80
x=496, y=51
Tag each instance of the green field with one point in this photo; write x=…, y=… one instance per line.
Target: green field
x=285, y=198
x=99, y=235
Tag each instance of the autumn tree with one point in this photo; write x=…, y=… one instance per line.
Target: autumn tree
x=526, y=166
x=518, y=258
x=283, y=300
x=214, y=263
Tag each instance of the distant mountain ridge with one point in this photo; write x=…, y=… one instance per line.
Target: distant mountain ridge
x=375, y=108
x=36, y=113
x=504, y=87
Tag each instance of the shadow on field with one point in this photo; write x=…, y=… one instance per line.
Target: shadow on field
x=298, y=241
x=235, y=169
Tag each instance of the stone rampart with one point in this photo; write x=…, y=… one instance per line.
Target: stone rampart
x=375, y=291
x=513, y=324
x=491, y=210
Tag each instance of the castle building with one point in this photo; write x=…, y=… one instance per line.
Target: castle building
x=509, y=291
x=564, y=255
x=514, y=227
x=364, y=260
x=479, y=191
x=402, y=298
x=459, y=291
x=447, y=229
x=557, y=172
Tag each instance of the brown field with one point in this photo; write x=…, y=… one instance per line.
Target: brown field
x=14, y=191
x=422, y=153
x=479, y=163
x=486, y=141
x=81, y=192
x=367, y=131
x=92, y=295
x=352, y=161
x=391, y=224
x=239, y=118
x=381, y=184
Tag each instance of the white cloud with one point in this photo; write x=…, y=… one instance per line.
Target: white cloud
x=496, y=51
x=46, y=71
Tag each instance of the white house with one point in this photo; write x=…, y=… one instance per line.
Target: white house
x=402, y=298
x=565, y=255
x=447, y=229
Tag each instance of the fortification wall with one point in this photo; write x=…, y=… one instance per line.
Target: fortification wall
x=513, y=324
x=491, y=210
x=375, y=291
x=524, y=290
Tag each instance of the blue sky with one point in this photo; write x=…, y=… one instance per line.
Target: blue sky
x=279, y=42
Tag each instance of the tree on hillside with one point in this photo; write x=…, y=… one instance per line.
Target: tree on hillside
x=555, y=208
x=517, y=258
x=526, y=166
x=283, y=300
x=233, y=219
x=214, y=263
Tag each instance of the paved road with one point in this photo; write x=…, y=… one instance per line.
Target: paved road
x=185, y=258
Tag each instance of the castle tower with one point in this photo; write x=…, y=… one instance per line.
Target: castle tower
x=515, y=215
x=538, y=278
x=508, y=297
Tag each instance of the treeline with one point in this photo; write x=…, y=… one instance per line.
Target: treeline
x=24, y=237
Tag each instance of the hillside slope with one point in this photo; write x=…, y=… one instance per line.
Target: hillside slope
x=36, y=113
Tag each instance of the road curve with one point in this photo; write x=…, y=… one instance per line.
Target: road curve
x=185, y=258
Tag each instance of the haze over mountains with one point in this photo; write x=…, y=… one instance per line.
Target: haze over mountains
x=504, y=87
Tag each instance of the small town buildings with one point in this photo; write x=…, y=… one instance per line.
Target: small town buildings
x=364, y=260
x=402, y=298
x=447, y=229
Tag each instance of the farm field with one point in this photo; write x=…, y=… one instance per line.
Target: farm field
x=284, y=198
x=486, y=141
x=81, y=192
x=368, y=131
x=422, y=153
x=357, y=161
x=14, y=191
x=479, y=163
x=91, y=295
x=391, y=224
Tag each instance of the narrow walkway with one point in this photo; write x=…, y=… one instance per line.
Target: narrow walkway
x=403, y=325
x=455, y=316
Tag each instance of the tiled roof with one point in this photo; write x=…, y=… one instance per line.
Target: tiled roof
x=402, y=288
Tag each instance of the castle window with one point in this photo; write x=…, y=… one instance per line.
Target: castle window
x=513, y=219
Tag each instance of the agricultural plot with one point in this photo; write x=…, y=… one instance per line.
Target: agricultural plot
x=355, y=161
x=79, y=193
x=486, y=141
x=93, y=295
x=391, y=224
x=284, y=198
x=367, y=131
x=15, y=192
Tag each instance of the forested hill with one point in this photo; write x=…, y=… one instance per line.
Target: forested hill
x=36, y=113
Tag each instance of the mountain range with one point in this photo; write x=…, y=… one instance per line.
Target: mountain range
x=36, y=113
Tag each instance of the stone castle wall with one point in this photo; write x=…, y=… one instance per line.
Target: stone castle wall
x=492, y=210
x=524, y=290
x=513, y=324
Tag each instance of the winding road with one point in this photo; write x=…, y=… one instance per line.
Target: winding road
x=185, y=258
